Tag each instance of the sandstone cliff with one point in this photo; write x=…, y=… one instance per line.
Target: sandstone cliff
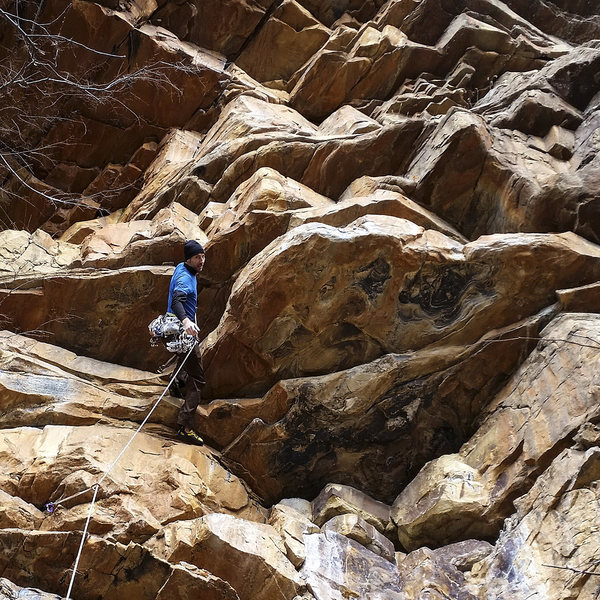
x=400, y=204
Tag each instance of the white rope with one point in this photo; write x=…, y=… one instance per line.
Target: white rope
x=87, y=523
x=51, y=505
x=114, y=462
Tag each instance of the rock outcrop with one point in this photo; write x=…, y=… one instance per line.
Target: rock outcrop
x=399, y=202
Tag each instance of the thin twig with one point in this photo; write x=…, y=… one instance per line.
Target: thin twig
x=571, y=569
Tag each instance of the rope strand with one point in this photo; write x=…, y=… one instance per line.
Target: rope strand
x=51, y=506
x=87, y=523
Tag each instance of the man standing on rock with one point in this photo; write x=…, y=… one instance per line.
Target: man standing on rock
x=183, y=302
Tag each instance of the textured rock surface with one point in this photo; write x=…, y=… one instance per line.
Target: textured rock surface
x=250, y=556
x=172, y=481
x=537, y=414
x=400, y=209
x=435, y=287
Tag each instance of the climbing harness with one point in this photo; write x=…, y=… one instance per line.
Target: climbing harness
x=50, y=507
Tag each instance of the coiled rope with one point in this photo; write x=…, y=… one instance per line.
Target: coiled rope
x=51, y=506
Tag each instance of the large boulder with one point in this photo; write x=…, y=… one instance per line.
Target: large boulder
x=251, y=557
x=319, y=299
x=546, y=403
x=389, y=416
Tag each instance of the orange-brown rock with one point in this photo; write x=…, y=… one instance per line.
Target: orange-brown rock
x=253, y=133
x=257, y=213
x=131, y=243
x=283, y=44
x=541, y=408
x=112, y=570
x=249, y=556
x=376, y=267
x=392, y=416
x=18, y=514
x=362, y=199
x=87, y=310
x=172, y=481
x=390, y=193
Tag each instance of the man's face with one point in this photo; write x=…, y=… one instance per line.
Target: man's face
x=197, y=261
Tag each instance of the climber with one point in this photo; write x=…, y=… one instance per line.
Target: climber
x=183, y=298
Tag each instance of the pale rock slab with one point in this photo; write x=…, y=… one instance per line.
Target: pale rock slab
x=380, y=202
x=453, y=488
x=552, y=395
x=356, y=528
x=292, y=526
x=552, y=542
x=337, y=567
x=251, y=557
x=338, y=500
x=107, y=570
x=34, y=254
x=425, y=574
x=10, y=591
x=463, y=555
x=304, y=507
x=347, y=120
x=77, y=232
x=176, y=150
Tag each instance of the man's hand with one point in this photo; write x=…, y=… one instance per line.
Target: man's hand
x=190, y=327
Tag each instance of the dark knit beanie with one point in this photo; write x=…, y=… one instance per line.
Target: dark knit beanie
x=192, y=248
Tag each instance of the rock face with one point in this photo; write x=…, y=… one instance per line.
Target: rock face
x=399, y=202
x=550, y=400
x=378, y=266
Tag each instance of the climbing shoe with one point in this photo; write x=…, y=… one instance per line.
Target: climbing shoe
x=190, y=436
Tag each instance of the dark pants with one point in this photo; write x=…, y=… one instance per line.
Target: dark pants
x=194, y=382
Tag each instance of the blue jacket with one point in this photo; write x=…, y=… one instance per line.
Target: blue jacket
x=185, y=288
